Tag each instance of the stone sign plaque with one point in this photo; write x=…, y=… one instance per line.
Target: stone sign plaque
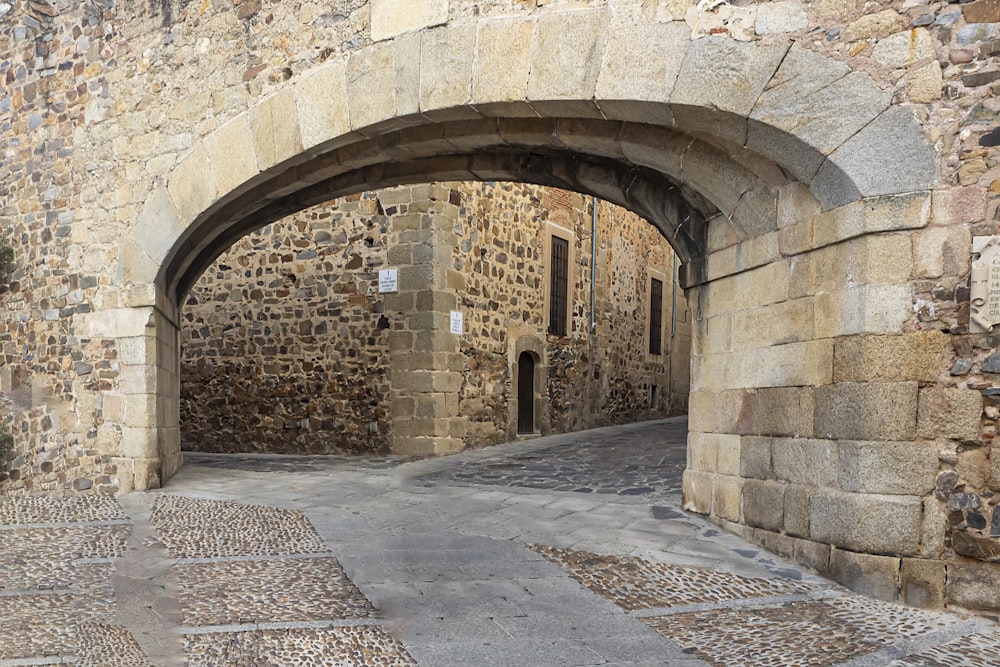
x=984, y=309
x=388, y=280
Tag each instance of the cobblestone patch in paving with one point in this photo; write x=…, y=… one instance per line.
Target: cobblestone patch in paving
x=103, y=645
x=292, y=463
x=366, y=646
x=642, y=461
x=196, y=528
x=46, y=625
x=233, y=592
x=19, y=510
x=45, y=557
x=884, y=622
x=979, y=650
x=636, y=583
x=799, y=634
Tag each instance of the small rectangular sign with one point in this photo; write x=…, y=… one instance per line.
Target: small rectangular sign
x=457, y=324
x=387, y=280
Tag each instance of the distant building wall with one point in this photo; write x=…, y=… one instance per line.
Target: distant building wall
x=285, y=337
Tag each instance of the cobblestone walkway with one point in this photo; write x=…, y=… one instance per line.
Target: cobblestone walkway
x=568, y=550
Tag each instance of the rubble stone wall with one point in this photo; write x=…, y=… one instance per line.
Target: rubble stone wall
x=285, y=338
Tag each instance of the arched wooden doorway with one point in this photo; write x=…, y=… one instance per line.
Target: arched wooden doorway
x=526, y=393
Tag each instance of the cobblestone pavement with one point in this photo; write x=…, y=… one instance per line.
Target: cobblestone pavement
x=566, y=550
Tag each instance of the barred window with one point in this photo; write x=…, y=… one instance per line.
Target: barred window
x=655, y=315
x=558, y=286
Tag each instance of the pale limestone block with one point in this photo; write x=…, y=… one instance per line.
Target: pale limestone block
x=713, y=174
x=641, y=62
x=567, y=52
x=192, y=184
x=371, y=85
x=727, y=498
x=721, y=234
x=701, y=411
x=137, y=350
x=140, y=410
x=875, y=214
x=703, y=451
x=905, y=48
x=139, y=443
x=717, y=334
x=232, y=155
x=275, y=129
x=795, y=364
x=656, y=148
x=941, y=250
x=805, y=461
x=866, y=411
x=137, y=380
x=866, y=522
x=796, y=239
x=158, y=226
x=994, y=480
x=446, y=64
x=775, y=324
x=697, y=491
x=797, y=501
x=950, y=413
x=780, y=411
x=764, y=504
x=407, y=65
x=720, y=75
x=779, y=17
x=856, y=168
x=914, y=356
x=973, y=585
x=390, y=18
x=503, y=61
x=723, y=263
x=321, y=104
x=895, y=468
x=924, y=84
x=872, y=309
x=763, y=285
x=878, y=26
x=728, y=448
x=877, y=576
x=796, y=205
x=113, y=408
x=882, y=259
x=135, y=266
x=935, y=528
x=757, y=215
x=922, y=583
x=113, y=323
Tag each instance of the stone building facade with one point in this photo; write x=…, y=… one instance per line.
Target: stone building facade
x=285, y=338
x=820, y=168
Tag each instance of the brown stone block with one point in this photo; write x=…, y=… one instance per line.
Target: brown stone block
x=905, y=468
x=796, y=511
x=980, y=547
x=982, y=11
x=805, y=461
x=755, y=457
x=814, y=555
x=949, y=413
x=973, y=585
x=866, y=411
x=877, y=576
x=727, y=498
x=918, y=356
x=764, y=504
x=866, y=522
x=778, y=411
x=922, y=583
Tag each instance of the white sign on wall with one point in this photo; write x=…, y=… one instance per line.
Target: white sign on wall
x=388, y=280
x=457, y=323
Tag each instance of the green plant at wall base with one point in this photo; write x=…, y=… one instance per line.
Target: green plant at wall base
x=6, y=258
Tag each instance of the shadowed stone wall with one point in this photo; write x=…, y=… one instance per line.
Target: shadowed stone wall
x=285, y=339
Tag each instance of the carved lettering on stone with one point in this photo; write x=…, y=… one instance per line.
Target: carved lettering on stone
x=985, y=291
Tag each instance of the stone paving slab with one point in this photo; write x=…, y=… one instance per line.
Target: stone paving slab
x=346, y=562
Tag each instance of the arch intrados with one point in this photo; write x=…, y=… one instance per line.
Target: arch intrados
x=638, y=166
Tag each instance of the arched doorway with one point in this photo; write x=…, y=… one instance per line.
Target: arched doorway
x=525, y=393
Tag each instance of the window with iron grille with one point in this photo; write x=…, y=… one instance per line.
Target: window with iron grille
x=655, y=315
x=558, y=286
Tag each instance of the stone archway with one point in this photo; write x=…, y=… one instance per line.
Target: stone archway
x=764, y=166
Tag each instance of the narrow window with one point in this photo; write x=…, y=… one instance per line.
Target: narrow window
x=558, y=286
x=655, y=315
x=525, y=393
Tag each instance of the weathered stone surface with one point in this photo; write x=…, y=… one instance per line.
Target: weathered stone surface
x=567, y=56
x=779, y=17
x=980, y=547
x=390, y=17
x=904, y=48
x=275, y=138
x=866, y=411
x=894, y=130
x=917, y=356
x=981, y=11
x=719, y=73
x=922, y=583
x=232, y=155
x=446, y=63
x=727, y=498
x=923, y=84
x=697, y=491
x=810, y=107
x=877, y=576
x=802, y=461
x=503, y=60
x=878, y=25
x=321, y=104
x=755, y=457
x=866, y=522
x=973, y=585
x=797, y=501
x=904, y=468
x=641, y=63
x=949, y=413
x=764, y=504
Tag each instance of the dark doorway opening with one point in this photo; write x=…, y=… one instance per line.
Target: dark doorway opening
x=526, y=393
